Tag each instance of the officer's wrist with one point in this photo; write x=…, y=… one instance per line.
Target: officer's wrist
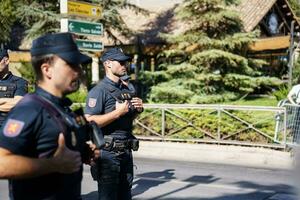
x=117, y=114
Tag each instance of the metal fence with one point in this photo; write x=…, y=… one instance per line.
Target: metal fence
x=291, y=123
x=221, y=124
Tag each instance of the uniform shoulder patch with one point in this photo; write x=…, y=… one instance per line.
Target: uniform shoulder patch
x=13, y=128
x=92, y=102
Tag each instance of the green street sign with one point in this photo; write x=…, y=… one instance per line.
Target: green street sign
x=81, y=27
x=89, y=45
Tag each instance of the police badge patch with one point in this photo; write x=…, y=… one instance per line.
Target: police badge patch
x=92, y=102
x=13, y=128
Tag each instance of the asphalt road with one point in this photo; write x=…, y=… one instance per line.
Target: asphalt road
x=161, y=179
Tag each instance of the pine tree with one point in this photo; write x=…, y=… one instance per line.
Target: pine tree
x=40, y=17
x=295, y=6
x=216, y=68
x=7, y=18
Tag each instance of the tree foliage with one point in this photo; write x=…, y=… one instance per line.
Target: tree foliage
x=39, y=17
x=295, y=6
x=216, y=68
x=42, y=17
x=7, y=18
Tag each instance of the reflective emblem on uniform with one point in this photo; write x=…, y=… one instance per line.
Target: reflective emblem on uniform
x=92, y=102
x=3, y=88
x=13, y=128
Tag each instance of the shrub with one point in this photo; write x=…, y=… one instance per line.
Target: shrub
x=281, y=92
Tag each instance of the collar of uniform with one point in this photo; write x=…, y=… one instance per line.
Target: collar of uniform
x=56, y=100
x=109, y=81
x=6, y=76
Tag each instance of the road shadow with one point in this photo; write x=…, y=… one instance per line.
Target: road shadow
x=248, y=190
x=252, y=191
x=151, y=179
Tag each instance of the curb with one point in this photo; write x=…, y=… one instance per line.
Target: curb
x=218, y=154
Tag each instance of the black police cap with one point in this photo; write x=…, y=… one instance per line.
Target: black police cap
x=114, y=54
x=60, y=44
x=3, y=53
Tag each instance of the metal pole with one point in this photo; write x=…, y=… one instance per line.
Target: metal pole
x=285, y=128
x=95, y=69
x=163, y=123
x=219, y=123
x=291, y=54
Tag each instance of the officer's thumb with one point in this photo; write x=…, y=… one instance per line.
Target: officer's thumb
x=61, y=141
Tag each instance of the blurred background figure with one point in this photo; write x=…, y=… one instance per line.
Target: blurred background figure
x=12, y=88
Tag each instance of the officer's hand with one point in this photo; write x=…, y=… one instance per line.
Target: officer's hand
x=3, y=101
x=66, y=161
x=122, y=108
x=137, y=103
x=96, y=153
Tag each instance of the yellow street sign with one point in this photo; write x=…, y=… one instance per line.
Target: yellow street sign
x=80, y=9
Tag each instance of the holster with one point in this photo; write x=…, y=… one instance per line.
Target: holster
x=111, y=144
x=134, y=144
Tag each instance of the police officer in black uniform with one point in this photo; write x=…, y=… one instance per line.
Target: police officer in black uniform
x=41, y=148
x=12, y=88
x=112, y=106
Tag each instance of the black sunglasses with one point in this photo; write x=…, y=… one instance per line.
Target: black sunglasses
x=123, y=63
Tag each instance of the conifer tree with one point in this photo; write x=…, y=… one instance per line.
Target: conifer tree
x=7, y=18
x=295, y=4
x=216, y=68
x=40, y=16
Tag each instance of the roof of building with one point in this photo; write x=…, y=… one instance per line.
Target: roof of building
x=253, y=11
x=163, y=20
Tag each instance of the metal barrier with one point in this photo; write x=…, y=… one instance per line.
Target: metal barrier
x=221, y=124
x=291, y=123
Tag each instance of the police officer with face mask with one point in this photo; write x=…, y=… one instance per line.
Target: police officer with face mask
x=12, y=88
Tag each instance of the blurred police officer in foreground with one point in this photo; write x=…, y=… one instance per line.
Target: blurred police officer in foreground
x=39, y=152
x=112, y=106
x=12, y=88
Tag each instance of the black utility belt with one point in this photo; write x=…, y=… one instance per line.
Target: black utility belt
x=112, y=144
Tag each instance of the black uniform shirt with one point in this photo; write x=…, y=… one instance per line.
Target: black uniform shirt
x=101, y=101
x=20, y=83
x=30, y=130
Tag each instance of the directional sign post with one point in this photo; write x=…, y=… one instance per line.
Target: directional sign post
x=89, y=45
x=78, y=8
x=87, y=11
x=81, y=27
